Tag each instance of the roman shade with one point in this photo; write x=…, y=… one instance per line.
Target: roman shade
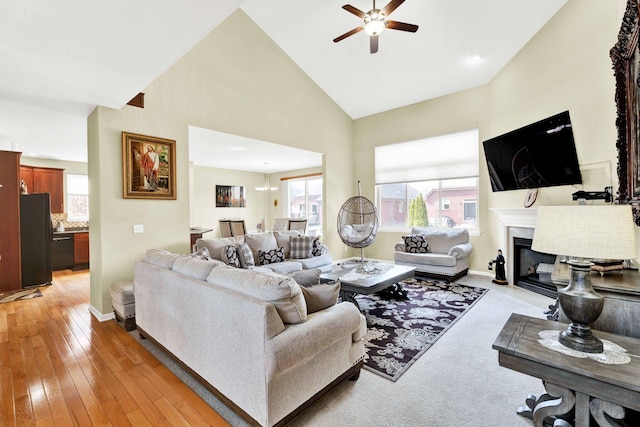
x=443, y=157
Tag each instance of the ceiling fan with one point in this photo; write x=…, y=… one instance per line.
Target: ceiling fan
x=375, y=22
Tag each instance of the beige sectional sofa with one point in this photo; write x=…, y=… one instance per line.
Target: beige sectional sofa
x=319, y=256
x=247, y=334
x=446, y=257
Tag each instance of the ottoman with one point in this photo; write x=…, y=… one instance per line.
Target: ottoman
x=123, y=303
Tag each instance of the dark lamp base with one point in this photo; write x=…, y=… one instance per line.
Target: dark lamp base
x=582, y=306
x=579, y=337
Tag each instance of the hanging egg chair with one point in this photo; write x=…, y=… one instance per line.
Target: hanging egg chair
x=358, y=223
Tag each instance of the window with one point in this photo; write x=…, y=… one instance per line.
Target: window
x=77, y=197
x=305, y=201
x=441, y=171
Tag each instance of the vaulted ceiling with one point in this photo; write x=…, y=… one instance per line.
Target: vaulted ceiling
x=60, y=59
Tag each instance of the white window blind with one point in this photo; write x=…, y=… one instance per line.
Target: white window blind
x=442, y=157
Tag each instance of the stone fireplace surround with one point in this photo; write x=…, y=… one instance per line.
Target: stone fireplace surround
x=513, y=223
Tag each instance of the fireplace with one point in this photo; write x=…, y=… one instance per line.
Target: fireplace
x=532, y=270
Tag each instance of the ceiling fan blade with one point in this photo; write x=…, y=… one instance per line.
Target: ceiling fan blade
x=395, y=25
x=355, y=11
x=391, y=6
x=373, y=44
x=347, y=34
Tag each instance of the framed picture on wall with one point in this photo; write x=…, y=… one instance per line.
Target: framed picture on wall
x=148, y=167
x=230, y=196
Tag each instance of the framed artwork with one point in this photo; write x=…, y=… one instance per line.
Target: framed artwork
x=230, y=196
x=625, y=56
x=148, y=167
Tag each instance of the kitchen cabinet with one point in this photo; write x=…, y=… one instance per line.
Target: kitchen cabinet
x=80, y=251
x=45, y=180
x=10, y=264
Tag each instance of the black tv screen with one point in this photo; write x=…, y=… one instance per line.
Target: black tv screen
x=542, y=154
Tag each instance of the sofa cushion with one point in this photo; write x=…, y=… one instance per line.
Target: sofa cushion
x=260, y=242
x=230, y=256
x=319, y=297
x=160, y=258
x=202, y=253
x=426, y=259
x=245, y=255
x=282, y=237
x=301, y=247
x=271, y=256
x=215, y=246
x=306, y=277
x=316, y=262
x=442, y=239
x=416, y=244
x=285, y=267
x=195, y=267
x=281, y=291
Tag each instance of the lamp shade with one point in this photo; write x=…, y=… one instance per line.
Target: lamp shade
x=596, y=232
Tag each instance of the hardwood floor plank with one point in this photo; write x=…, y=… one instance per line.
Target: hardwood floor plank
x=172, y=415
x=60, y=366
x=138, y=419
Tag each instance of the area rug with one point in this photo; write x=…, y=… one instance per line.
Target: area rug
x=399, y=332
x=19, y=295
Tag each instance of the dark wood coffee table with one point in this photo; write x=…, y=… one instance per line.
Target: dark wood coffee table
x=354, y=280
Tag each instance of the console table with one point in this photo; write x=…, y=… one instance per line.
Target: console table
x=621, y=292
x=585, y=385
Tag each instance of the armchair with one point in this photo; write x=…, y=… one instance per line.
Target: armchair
x=444, y=253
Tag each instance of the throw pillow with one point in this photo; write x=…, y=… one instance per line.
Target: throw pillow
x=317, y=247
x=301, y=247
x=261, y=242
x=270, y=257
x=416, y=244
x=230, y=256
x=306, y=277
x=319, y=297
x=245, y=255
x=202, y=253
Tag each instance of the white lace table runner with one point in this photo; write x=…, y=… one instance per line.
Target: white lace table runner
x=612, y=354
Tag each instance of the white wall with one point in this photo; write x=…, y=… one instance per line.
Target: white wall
x=235, y=81
x=566, y=66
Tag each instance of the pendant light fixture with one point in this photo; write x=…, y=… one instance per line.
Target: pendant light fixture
x=266, y=186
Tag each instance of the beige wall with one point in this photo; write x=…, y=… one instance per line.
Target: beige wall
x=259, y=204
x=565, y=67
x=236, y=81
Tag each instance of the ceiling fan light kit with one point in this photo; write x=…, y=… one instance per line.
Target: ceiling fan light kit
x=375, y=22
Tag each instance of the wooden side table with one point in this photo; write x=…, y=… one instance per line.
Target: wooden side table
x=584, y=385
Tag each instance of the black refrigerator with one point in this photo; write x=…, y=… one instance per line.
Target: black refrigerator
x=35, y=239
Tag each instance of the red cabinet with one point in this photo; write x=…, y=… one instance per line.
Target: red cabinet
x=10, y=267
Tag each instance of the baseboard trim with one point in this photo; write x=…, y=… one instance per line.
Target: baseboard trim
x=101, y=317
x=481, y=273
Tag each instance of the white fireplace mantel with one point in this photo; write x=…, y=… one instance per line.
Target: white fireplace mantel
x=514, y=223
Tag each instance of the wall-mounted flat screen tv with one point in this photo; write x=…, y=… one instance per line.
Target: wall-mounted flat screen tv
x=542, y=154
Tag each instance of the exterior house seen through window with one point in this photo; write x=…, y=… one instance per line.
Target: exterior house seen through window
x=436, y=186
x=77, y=197
x=305, y=201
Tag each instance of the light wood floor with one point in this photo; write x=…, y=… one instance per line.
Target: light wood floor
x=60, y=366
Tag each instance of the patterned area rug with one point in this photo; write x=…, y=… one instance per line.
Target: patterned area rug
x=19, y=295
x=399, y=332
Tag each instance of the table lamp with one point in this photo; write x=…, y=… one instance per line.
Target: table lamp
x=584, y=233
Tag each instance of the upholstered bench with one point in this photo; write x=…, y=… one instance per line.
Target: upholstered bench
x=123, y=302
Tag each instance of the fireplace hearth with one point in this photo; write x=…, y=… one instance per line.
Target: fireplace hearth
x=532, y=270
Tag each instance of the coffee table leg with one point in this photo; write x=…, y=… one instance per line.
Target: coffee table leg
x=351, y=297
